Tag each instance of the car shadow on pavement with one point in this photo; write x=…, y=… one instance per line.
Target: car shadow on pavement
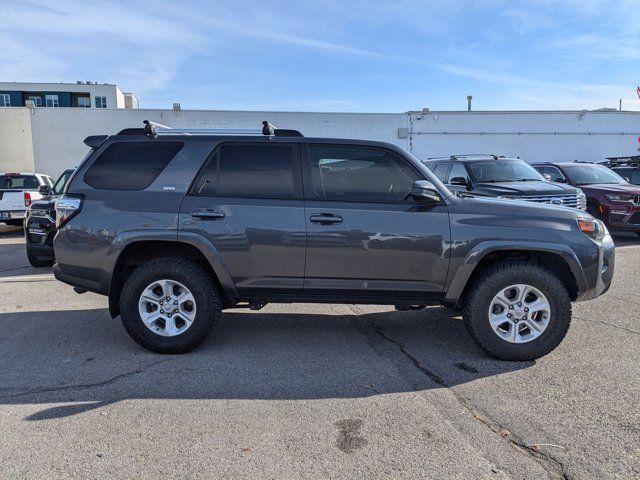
x=84, y=360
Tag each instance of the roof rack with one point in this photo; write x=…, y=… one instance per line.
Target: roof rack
x=154, y=129
x=455, y=157
x=633, y=160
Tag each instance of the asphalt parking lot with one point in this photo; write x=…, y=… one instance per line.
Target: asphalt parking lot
x=311, y=391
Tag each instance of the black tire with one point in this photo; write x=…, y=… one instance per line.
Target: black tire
x=14, y=223
x=500, y=276
x=191, y=275
x=37, y=262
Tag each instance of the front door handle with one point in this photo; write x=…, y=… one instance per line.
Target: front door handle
x=326, y=218
x=207, y=214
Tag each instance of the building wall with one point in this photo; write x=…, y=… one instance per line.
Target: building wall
x=113, y=94
x=56, y=135
x=16, y=147
x=533, y=136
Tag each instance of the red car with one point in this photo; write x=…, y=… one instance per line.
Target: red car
x=609, y=196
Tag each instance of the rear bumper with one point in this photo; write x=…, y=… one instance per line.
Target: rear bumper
x=11, y=215
x=78, y=282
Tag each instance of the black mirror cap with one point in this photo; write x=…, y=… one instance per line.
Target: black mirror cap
x=44, y=190
x=424, y=191
x=459, y=181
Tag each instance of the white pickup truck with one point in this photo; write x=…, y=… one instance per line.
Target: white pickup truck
x=17, y=191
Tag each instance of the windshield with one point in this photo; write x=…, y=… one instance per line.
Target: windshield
x=504, y=171
x=19, y=182
x=59, y=185
x=590, y=174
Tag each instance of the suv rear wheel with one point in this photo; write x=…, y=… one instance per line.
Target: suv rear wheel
x=517, y=311
x=169, y=305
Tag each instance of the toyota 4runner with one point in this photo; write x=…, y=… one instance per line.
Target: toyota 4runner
x=177, y=225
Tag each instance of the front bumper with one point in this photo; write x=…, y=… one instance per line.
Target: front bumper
x=621, y=217
x=600, y=275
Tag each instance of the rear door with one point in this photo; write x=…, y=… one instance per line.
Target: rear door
x=247, y=202
x=366, y=236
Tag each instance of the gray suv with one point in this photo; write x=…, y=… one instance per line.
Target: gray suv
x=177, y=225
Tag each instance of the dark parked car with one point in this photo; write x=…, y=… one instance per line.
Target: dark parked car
x=176, y=225
x=494, y=176
x=40, y=223
x=609, y=196
x=626, y=167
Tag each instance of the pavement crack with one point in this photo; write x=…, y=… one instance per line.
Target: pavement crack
x=84, y=386
x=552, y=466
x=617, y=327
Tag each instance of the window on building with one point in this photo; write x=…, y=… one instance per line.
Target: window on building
x=131, y=165
x=51, y=101
x=5, y=100
x=37, y=100
x=253, y=171
x=357, y=174
x=101, y=102
x=84, y=102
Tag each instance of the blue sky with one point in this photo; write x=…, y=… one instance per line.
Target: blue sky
x=334, y=55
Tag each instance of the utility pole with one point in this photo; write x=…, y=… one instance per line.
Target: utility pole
x=469, y=98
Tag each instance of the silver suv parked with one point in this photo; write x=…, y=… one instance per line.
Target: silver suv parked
x=175, y=226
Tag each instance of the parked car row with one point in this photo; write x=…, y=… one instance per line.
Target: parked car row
x=176, y=225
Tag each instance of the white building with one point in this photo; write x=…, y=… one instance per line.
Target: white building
x=78, y=95
x=48, y=140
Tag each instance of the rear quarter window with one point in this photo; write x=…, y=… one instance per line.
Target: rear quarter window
x=130, y=165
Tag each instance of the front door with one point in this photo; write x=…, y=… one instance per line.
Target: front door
x=365, y=235
x=248, y=203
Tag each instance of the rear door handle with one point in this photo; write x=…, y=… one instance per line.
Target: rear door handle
x=325, y=218
x=207, y=214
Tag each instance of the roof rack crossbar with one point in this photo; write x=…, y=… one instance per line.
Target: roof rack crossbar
x=153, y=129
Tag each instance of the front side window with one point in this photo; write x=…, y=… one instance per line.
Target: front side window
x=5, y=100
x=360, y=174
x=250, y=171
x=440, y=171
x=592, y=174
x=51, y=101
x=61, y=182
x=458, y=171
x=101, y=102
x=504, y=171
x=554, y=173
x=130, y=165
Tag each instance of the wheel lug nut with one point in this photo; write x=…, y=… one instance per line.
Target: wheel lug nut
x=161, y=302
x=519, y=304
x=175, y=310
x=526, y=309
x=168, y=298
x=175, y=302
x=509, y=315
x=510, y=307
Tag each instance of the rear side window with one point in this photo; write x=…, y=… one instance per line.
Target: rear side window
x=253, y=171
x=131, y=165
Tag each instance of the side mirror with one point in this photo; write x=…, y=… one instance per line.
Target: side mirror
x=425, y=191
x=464, y=182
x=44, y=190
x=547, y=177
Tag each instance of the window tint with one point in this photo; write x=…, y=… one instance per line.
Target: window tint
x=458, y=170
x=440, y=171
x=555, y=174
x=131, y=165
x=262, y=171
x=359, y=174
x=19, y=182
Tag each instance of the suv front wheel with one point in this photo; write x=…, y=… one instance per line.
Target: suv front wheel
x=169, y=305
x=517, y=311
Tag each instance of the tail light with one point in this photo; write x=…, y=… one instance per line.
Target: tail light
x=67, y=207
x=27, y=199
